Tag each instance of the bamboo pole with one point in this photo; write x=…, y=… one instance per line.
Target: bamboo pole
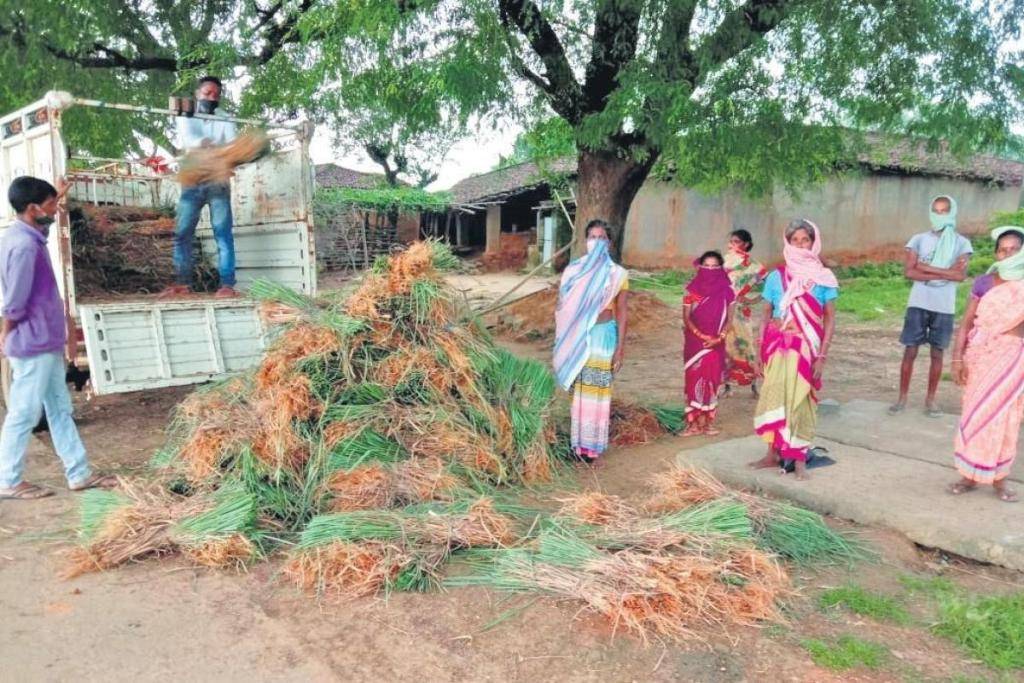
x=170, y=112
x=501, y=301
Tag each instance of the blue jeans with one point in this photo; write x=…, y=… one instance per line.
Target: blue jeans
x=39, y=383
x=191, y=203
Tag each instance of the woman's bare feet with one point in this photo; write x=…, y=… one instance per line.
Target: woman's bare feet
x=961, y=487
x=1007, y=495
x=770, y=459
x=800, y=470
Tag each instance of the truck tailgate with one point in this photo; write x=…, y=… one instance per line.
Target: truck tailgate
x=146, y=345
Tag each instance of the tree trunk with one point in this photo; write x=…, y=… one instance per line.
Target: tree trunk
x=605, y=187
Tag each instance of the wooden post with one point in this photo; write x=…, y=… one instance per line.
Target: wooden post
x=458, y=229
x=493, y=228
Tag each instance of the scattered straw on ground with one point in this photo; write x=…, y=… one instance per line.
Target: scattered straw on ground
x=533, y=317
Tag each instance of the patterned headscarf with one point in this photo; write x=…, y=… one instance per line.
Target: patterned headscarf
x=804, y=266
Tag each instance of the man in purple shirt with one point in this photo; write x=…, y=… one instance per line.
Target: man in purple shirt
x=37, y=333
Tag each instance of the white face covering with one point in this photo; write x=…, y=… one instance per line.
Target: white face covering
x=592, y=242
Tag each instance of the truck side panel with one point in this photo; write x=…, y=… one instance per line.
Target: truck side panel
x=135, y=346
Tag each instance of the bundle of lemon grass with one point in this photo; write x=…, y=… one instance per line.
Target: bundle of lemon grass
x=217, y=164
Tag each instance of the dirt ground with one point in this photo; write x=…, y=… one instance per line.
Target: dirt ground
x=163, y=620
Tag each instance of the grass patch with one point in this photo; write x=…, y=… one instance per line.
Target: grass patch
x=667, y=285
x=933, y=586
x=846, y=652
x=865, y=603
x=884, y=298
x=989, y=628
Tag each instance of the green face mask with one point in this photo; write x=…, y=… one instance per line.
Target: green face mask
x=1012, y=267
x=941, y=221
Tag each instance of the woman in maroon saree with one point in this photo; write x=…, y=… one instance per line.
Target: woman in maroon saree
x=707, y=310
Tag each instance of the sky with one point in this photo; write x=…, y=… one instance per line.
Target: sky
x=471, y=156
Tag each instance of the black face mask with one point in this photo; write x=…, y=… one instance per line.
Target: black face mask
x=206, y=106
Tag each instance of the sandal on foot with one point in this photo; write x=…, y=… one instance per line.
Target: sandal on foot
x=25, y=491
x=712, y=431
x=693, y=431
x=896, y=408
x=933, y=412
x=1007, y=495
x=96, y=481
x=960, y=488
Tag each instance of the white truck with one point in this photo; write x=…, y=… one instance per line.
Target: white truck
x=142, y=343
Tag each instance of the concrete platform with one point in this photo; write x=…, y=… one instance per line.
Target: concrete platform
x=892, y=472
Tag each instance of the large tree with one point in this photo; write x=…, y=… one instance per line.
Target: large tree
x=756, y=92
x=135, y=51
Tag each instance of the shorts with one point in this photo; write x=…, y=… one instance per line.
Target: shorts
x=920, y=326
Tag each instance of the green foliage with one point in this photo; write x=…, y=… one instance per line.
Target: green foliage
x=549, y=139
x=383, y=199
x=95, y=508
x=934, y=586
x=234, y=511
x=716, y=517
x=989, y=628
x=366, y=446
x=1007, y=218
x=672, y=418
x=667, y=285
x=802, y=536
x=846, y=652
x=865, y=603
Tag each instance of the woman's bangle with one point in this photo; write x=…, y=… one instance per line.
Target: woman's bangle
x=958, y=360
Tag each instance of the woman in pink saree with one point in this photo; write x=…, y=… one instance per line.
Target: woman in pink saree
x=707, y=312
x=988, y=361
x=799, y=324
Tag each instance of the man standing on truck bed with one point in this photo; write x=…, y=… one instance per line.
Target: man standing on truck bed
x=37, y=333
x=193, y=133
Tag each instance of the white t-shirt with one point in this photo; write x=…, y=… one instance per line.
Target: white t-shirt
x=192, y=132
x=938, y=296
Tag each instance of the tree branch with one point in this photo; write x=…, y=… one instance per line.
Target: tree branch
x=563, y=90
x=279, y=35
x=740, y=29
x=616, y=32
x=674, y=55
x=98, y=56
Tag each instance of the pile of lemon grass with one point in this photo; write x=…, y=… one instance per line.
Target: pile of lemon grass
x=389, y=397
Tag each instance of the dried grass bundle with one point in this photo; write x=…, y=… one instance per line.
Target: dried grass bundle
x=647, y=593
x=481, y=526
x=680, y=487
x=217, y=164
x=412, y=265
x=420, y=480
x=537, y=464
x=301, y=341
x=632, y=425
x=347, y=570
x=235, y=551
x=595, y=507
x=275, y=313
x=362, y=488
x=128, y=525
